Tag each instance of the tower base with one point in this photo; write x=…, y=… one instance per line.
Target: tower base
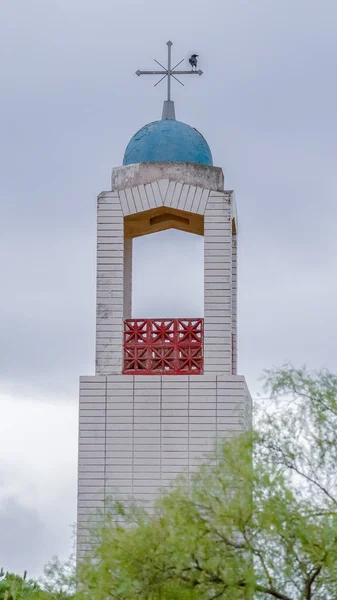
x=137, y=433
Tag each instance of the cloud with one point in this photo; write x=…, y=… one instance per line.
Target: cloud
x=38, y=449
x=25, y=539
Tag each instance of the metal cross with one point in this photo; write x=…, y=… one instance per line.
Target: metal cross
x=169, y=72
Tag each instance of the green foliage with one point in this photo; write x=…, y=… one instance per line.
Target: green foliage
x=59, y=580
x=57, y=584
x=240, y=528
x=14, y=587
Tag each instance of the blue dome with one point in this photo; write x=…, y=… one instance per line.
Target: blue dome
x=168, y=141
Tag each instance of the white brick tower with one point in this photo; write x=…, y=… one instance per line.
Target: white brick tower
x=163, y=390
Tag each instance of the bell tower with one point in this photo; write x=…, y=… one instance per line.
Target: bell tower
x=164, y=389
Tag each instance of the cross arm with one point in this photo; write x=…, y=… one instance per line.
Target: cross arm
x=172, y=72
x=187, y=72
x=151, y=72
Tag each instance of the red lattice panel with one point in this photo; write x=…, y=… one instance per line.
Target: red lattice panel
x=163, y=346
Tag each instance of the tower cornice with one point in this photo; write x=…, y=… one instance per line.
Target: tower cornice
x=190, y=173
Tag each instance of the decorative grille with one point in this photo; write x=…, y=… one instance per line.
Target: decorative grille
x=163, y=346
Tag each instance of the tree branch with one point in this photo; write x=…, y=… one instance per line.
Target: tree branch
x=308, y=478
x=310, y=581
x=264, y=566
x=291, y=465
x=228, y=542
x=272, y=592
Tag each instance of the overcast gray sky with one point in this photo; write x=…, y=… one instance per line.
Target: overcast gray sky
x=69, y=104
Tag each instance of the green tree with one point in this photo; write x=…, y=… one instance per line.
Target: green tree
x=57, y=583
x=258, y=520
x=17, y=587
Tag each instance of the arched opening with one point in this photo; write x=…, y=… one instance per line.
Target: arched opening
x=164, y=283
x=168, y=275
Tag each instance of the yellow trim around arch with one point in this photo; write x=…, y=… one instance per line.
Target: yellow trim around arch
x=159, y=219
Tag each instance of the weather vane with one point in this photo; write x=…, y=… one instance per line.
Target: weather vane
x=169, y=72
